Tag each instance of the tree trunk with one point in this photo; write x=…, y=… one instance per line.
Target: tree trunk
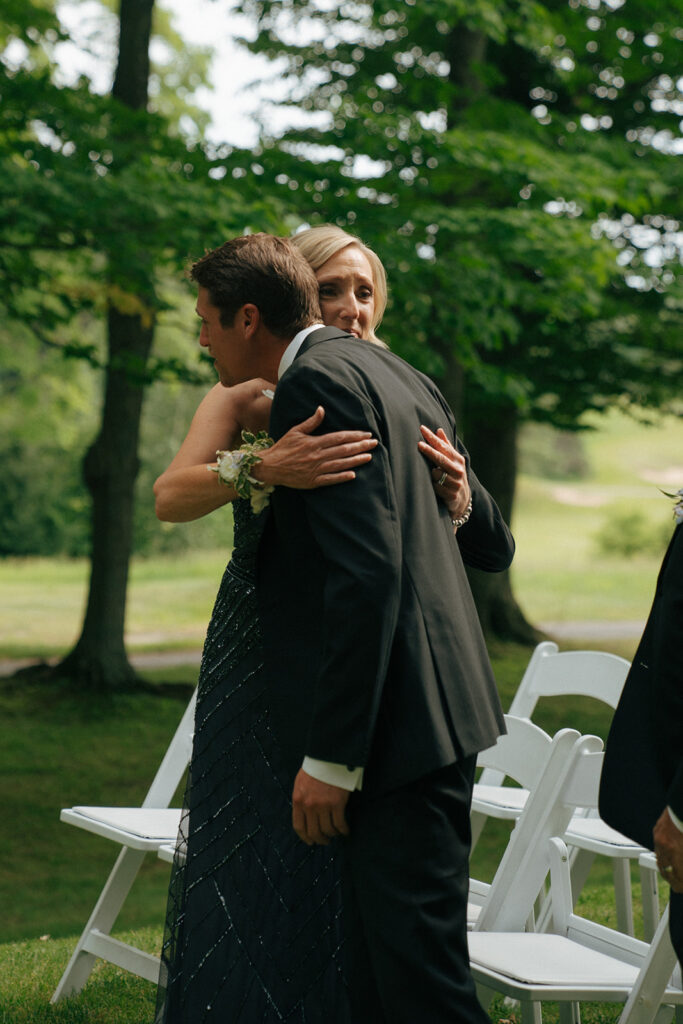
x=110, y=467
x=99, y=659
x=491, y=432
x=491, y=439
x=131, y=81
x=452, y=379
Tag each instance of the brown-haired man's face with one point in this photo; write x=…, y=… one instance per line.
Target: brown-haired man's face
x=231, y=351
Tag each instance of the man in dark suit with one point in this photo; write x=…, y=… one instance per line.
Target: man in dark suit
x=382, y=692
x=641, y=792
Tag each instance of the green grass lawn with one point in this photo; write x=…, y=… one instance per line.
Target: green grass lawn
x=61, y=749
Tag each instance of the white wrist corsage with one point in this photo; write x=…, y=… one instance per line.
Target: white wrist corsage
x=234, y=466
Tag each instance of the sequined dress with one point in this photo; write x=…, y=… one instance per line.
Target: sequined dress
x=253, y=929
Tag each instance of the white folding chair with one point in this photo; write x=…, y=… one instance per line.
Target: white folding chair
x=138, y=830
x=599, y=675
x=521, y=755
x=578, y=959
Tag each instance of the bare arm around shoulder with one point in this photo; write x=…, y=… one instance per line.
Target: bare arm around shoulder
x=186, y=490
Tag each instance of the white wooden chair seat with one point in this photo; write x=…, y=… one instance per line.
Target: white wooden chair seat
x=534, y=963
x=596, y=835
x=506, y=802
x=141, y=828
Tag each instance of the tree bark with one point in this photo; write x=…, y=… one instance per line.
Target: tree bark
x=131, y=81
x=491, y=439
x=99, y=660
x=490, y=432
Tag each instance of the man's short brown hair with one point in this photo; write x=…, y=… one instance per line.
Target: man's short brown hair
x=264, y=270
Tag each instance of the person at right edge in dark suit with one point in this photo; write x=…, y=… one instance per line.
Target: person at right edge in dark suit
x=641, y=792
x=380, y=672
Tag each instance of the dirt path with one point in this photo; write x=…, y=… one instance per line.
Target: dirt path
x=141, y=659
x=589, y=630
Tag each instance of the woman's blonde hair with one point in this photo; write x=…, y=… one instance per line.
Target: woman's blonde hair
x=320, y=244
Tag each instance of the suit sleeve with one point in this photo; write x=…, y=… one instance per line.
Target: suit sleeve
x=357, y=533
x=668, y=669
x=485, y=541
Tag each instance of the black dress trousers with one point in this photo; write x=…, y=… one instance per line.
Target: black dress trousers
x=406, y=879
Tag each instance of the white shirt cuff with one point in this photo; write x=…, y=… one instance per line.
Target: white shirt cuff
x=677, y=821
x=334, y=774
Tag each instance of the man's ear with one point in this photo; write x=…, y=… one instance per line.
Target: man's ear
x=250, y=318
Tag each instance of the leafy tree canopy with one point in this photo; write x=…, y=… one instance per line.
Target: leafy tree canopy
x=98, y=201
x=514, y=165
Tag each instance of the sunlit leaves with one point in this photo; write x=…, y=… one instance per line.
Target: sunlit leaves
x=475, y=147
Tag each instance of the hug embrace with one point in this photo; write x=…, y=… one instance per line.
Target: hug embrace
x=345, y=687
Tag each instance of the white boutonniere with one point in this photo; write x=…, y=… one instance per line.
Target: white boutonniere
x=678, y=504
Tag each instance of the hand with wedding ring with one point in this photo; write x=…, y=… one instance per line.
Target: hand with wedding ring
x=450, y=473
x=668, y=842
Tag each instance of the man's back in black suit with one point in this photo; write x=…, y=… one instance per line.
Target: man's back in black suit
x=376, y=659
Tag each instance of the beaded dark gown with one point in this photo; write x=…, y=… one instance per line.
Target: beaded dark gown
x=253, y=929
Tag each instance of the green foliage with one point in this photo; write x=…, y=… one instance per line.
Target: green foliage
x=98, y=202
x=43, y=504
x=494, y=155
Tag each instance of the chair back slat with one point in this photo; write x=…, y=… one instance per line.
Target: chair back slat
x=175, y=761
x=520, y=754
x=554, y=673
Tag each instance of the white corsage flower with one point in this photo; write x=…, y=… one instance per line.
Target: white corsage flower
x=233, y=469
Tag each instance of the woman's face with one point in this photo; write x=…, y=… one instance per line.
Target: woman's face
x=347, y=292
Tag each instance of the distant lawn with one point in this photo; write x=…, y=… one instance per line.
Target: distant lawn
x=559, y=573
x=169, y=602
